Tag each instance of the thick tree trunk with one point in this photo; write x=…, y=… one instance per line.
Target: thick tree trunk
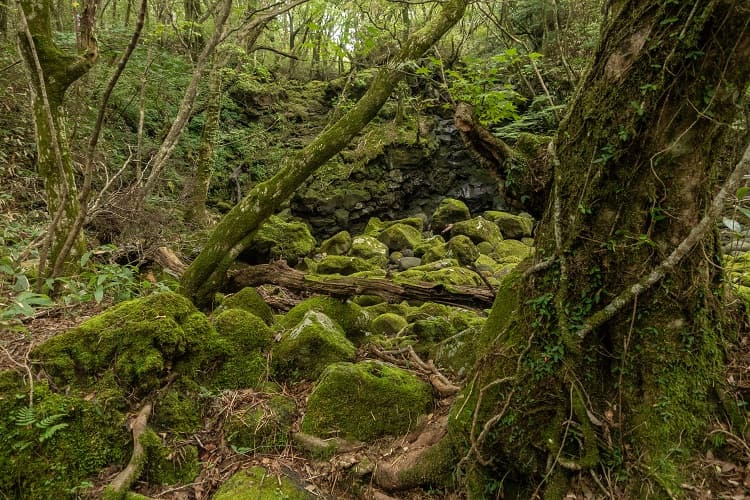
x=638, y=161
x=51, y=72
x=234, y=232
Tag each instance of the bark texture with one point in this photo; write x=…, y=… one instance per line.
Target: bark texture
x=636, y=164
x=234, y=232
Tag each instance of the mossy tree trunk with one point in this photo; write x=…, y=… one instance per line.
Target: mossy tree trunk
x=235, y=231
x=51, y=72
x=649, y=137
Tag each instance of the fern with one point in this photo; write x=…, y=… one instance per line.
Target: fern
x=25, y=416
x=50, y=420
x=50, y=431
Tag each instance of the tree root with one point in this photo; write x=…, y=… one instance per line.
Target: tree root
x=439, y=382
x=129, y=474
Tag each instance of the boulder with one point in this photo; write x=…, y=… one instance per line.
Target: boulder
x=426, y=244
x=449, y=212
x=478, y=229
x=351, y=317
x=256, y=483
x=387, y=324
x=249, y=300
x=400, y=236
x=242, y=328
x=365, y=401
x=511, y=226
x=307, y=349
x=369, y=248
x=338, y=244
x=463, y=250
x=511, y=251
x=344, y=265
x=277, y=239
x=405, y=263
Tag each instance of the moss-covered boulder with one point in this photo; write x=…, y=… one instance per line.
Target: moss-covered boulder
x=435, y=253
x=249, y=300
x=369, y=248
x=168, y=463
x=365, y=401
x=449, y=212
x=316, y=342
x=277, y=239
x=264, y=426
x=338, y=244
x=344, y=265
x=375, y=226
x=426, y=244
x=350, y=316
x=449, y=275
x=258, y=484
x=511, y=226
x=140, y=343
x=387, y=324
x=458, y=352
x=178, y=410
x=400, y=236
x=511, y=251
x=431, y=330
x=51, y=448
x=243, y=329
x=485, y=248
x=463, y=250
x=478, y=229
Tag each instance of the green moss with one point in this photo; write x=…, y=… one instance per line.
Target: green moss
x=142, y=341
x=431, y=330
x=365, y=401
x=453, y=275
x=511, y=251
x=387, y=324
x=400, y=236
x=367, y=300
x=179, y=410
x=338, y=244
x=263, y=427
x=435, y=253
x=314, y=343
x=375, y=226
x=426, y=244
x=257, y=484
x=448, y=212
x=242, y=330
x=463, y=250
x=249, y=300
x=511, y=226
x=168, y=464
x=351, y=317
x=370, y=249
x=478, y=229
x=458, y=353
x=344, y=265
x=244, y=370
x=278, y=238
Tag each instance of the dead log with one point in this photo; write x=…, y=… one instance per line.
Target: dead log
x=279, y=273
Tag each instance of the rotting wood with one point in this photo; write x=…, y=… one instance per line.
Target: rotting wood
x=279, y=273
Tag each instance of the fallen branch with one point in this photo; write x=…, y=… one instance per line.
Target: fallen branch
x=129, y=474
x=278, y=273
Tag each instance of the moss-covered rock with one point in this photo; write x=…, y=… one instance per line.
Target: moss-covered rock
x=387, y=324
x=511, y=226
x=351, y=317
x=485, y=248
x=400, y=236
x=478, y=229
x=168, y=464
x=458, y=352
x=375, y=226
x=435, y=253
x=246, y=335
x=243, y=329
x=463, y=250
x=277, y=238
x=431, y=330
x=258, y=484
x=365, y=401
x=449, y=212
x=344, y=265
x=263, y=427
x=450, y=275
x=178, y=410
x=511, y=251
x=249, y=300
x=316, y=342
x=369, y=248
x=141, y=341
x=338, y=244
x=426, y=244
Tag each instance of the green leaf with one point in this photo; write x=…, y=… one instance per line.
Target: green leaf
x=85, y=258
x=98, y=294
x=742, y=192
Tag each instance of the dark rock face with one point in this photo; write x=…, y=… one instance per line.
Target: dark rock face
x=405, y=179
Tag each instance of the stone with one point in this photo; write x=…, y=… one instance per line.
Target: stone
x=449, y=212
x=369, y=248
x=405, y=263
x=400, y=236
x=387, y=324
x=243, y=328
x=248, y=299
x=511, y=251
x=462, y=249
x=511, y=226
x=426, y=244
x=478, y=229
x=277, y=239
x=365, y=401
x=343, y=265
x=435, y=253
x=338, y=244
x=264, y=426
x=256, y=483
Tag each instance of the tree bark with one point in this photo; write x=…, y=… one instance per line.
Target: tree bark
x=234, y=232
x=278, y=273
x=636, y=164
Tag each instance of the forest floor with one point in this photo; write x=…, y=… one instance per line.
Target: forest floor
x=345, y=474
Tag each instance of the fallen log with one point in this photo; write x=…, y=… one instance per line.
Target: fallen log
x=280, y=274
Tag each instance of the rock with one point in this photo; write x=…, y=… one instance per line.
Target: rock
x=426, y=244
x=458, y=353
x=405, y=263
x=243, y=328
x=387, y=324
x=306, y=350
x=258, y=484
x=369, y=248
x=344, y=265
x=485, y=248
x=478, y=229
x=511, y=251
x=277, y=239
x=463, y=250
x=338, y=244
x=351, y=317
x=245, y=334
x=435, y=253
x=400, y=236
x=249, y=300
x=511, y=226
x=365, y=401
x=395, y=257
x=452, y=275
x=448, y=212
x=264, y=426
x=431, y=330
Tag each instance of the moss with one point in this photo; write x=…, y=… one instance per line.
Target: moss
x=448, y=212
x=168, y=464
x=426, y=244
x=367, y=300
x=351, y=317
x=453, y=275
x=400, y=236
x=511, y=226
x=248, y=299
x=478, y=229
x=256, y=483
x=511, y=251
x=485, y=248
x=343, y=265
x=375, y=226
x=142, y=341
x=365, y=401
x=431, y=330
x=316, y=342
x=262, y=427
x=387, y=324
x=369, y=248
x=50, y=450
x=458, y=353
x=248, y=370
x=179, y=410
x=243, y=330
x=463, y=249
x=338, y=244
x=435, y=253
x=278, y=238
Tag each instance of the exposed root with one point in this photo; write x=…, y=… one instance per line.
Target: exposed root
x=129, y=474
x=439, y=382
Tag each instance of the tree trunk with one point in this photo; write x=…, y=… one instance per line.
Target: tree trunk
x=235, y=231
x=638, y=160
x=195, y=212
x=51, y=72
